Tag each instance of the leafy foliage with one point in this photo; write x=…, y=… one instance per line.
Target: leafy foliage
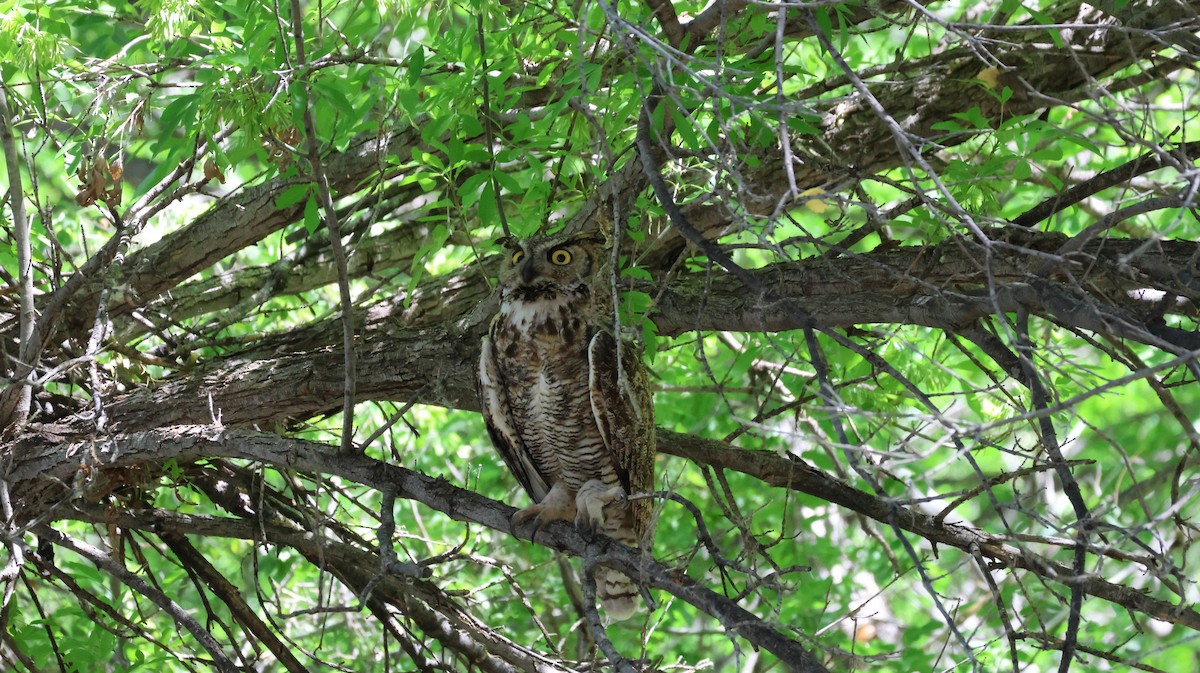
x=916, y=281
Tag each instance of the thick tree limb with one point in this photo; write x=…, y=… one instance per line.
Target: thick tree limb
x=429, y=359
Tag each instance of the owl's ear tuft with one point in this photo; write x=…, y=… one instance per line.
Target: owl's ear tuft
x=591, y=236
x=509, y=242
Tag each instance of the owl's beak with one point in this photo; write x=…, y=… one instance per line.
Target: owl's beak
x=528, y=271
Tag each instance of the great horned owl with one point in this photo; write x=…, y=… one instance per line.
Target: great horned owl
x=575, y=431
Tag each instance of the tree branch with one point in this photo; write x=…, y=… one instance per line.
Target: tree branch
x=39, y=479
x=15, y=400
x=192, y=559
x=106, y=563
x=1180, y=157
x=325, y=198
x=189, y=443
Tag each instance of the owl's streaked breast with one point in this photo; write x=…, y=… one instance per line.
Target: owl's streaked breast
x=542, y=353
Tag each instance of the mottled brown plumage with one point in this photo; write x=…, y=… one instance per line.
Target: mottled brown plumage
x=576, y=429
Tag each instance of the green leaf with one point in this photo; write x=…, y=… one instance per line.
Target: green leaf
x=683, y=126
x=488, y=210
x=330, y=93
x=507, y=182
x=292, y=195
x=415, y=65
x=312, y=215
x=825, y=22
x=803, y=125
x=948, y=125
x=650, y=339
x=410, y=101
x=1074, y=139
x=974, y=118
x=8, y=256
x=1046, y=20
x=471, y=188
x=180, y=114
x=470, y=126
x=638, y=272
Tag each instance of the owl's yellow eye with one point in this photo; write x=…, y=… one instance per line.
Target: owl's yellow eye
x=517, y=256
x=560, y=256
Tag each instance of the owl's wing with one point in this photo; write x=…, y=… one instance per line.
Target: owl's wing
x=497, y=415
x=624, y=411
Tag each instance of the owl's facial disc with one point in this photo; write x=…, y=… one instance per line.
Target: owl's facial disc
x=541, y=270
x=557, y=266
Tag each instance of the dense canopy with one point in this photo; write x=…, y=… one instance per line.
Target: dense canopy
x=917, y=284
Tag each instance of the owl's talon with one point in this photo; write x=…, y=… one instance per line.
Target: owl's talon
x=535, y=514
x=587, y=525
x=522, y=517
x=556, y=506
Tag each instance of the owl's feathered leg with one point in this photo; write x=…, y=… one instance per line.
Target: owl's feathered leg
x=558, y=505
x=617, y=593
x=590, y=502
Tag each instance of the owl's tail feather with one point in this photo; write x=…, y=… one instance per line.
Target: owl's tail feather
x=617, y=593
x=619, y=596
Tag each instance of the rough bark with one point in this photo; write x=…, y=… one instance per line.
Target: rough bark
x=425, y=352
